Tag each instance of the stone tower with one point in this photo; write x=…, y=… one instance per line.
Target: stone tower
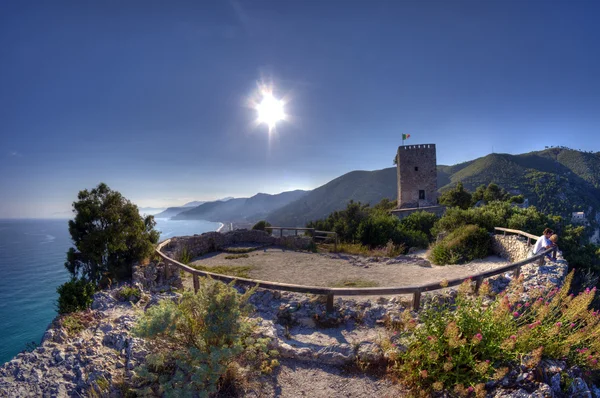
x=417, y=176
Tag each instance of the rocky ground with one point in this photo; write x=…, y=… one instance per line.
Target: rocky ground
x=319, y=353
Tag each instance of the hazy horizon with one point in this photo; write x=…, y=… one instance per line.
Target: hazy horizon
x=156, y=99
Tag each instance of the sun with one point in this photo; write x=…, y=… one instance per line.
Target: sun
x=270, y=110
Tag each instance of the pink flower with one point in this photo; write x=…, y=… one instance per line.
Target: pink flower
x=559, y=324
x=587, y=289
x=478, y=337
x=515, y=314
x=527, y=304
x=470, y=389
x=572, y=325
x=540, y=299
x=424, y=374
x=395, y=332
x=594, y=361
x=429, y=338
x=519, y=305
x=513, y=337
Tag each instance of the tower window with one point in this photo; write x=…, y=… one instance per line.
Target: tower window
x=421, y=194
x=416, y=168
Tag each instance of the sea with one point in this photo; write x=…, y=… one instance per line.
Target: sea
x=32, y=256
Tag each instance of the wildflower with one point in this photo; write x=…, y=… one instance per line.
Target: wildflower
x=515, y=314
x=429, y=338
x=559, y=324
x=594, y=361
x=519, y=305
x=470, y=389
x=424, y=373
x=527, y=304
x=513, y=337
x=448, y=366
x=477, y=339
x=438, y=386
x=395, y=332
x=587, y=289
x=572, y=325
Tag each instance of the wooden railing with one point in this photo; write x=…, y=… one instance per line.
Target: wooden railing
x=416, y=291
x=314, y=233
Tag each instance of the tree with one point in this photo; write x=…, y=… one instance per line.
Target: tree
x=456, y=197
x=109, y=236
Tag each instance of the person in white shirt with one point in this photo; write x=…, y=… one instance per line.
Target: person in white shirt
x=543, y=242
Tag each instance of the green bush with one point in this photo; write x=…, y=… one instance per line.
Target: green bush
x=75, y=295
x=376, y=230
x=462, y=245
x=261, y=225
x=420, y=221
x=196, y=342
x=128, y=292
x=457, y=347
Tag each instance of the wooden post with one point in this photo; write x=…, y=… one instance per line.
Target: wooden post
x=296, y=232
x=336, y=243
x=281, y=233
x=528, y=241
x=478, y=282
x=330, y=303
x=196, y=283
x=416, y=300
x=517, y=272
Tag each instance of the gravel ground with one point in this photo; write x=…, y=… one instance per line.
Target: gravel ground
x=327, y=269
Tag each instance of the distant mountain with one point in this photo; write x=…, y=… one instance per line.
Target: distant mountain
x=150, y=210
x=240, y=209
x=556, y=180
x=197, y=203
x=360, y=186
x=171, y=212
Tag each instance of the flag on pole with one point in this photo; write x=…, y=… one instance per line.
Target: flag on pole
x=405, y=136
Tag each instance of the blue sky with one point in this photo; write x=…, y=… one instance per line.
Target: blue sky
x=152, y=97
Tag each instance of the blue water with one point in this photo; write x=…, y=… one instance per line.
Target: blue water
x=32, y=256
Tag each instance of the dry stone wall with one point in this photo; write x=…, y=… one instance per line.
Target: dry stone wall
x=198, y=245
x=511, y=247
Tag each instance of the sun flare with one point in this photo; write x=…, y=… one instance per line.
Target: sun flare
x=270, y=110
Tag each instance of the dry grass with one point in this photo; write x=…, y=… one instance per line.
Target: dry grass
x=241, y=271
x=354, y=283
x=236, y=256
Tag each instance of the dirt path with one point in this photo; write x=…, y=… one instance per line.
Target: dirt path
x=328, y=269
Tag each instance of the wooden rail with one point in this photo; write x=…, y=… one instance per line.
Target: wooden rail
x=369, y=291
x=315, y=234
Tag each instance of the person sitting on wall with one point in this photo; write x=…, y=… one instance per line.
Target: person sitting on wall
x=543, y=243
x=553, y=240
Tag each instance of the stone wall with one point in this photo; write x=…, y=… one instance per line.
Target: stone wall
x=157, y=276
x=511, y=247
x=198, y=245
x=417, y=170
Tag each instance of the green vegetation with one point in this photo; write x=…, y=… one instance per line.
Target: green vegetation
x=358, y=282
x=459, y=347
x=261, y=225
x=236, y=256
x=74, y=323
x=109, y=236
x=462, y=245
x=202, y=344
x=239, y=250
x=185, y=256
x=75, y=295
x=375, y=227
x=240, y=271
x=129, y=293
x=456, y=197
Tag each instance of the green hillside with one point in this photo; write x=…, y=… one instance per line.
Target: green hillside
x=360, y=186
x=556, y=180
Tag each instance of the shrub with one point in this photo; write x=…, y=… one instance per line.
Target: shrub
x=129, y=293
x=260, y=226
x=461, y=345
x=420, y=221
x=185, y=256
x=462, y=245
x=76, y=322
x=75, y=295
x=236, y=256
x=377, y=229
x=197, y=342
